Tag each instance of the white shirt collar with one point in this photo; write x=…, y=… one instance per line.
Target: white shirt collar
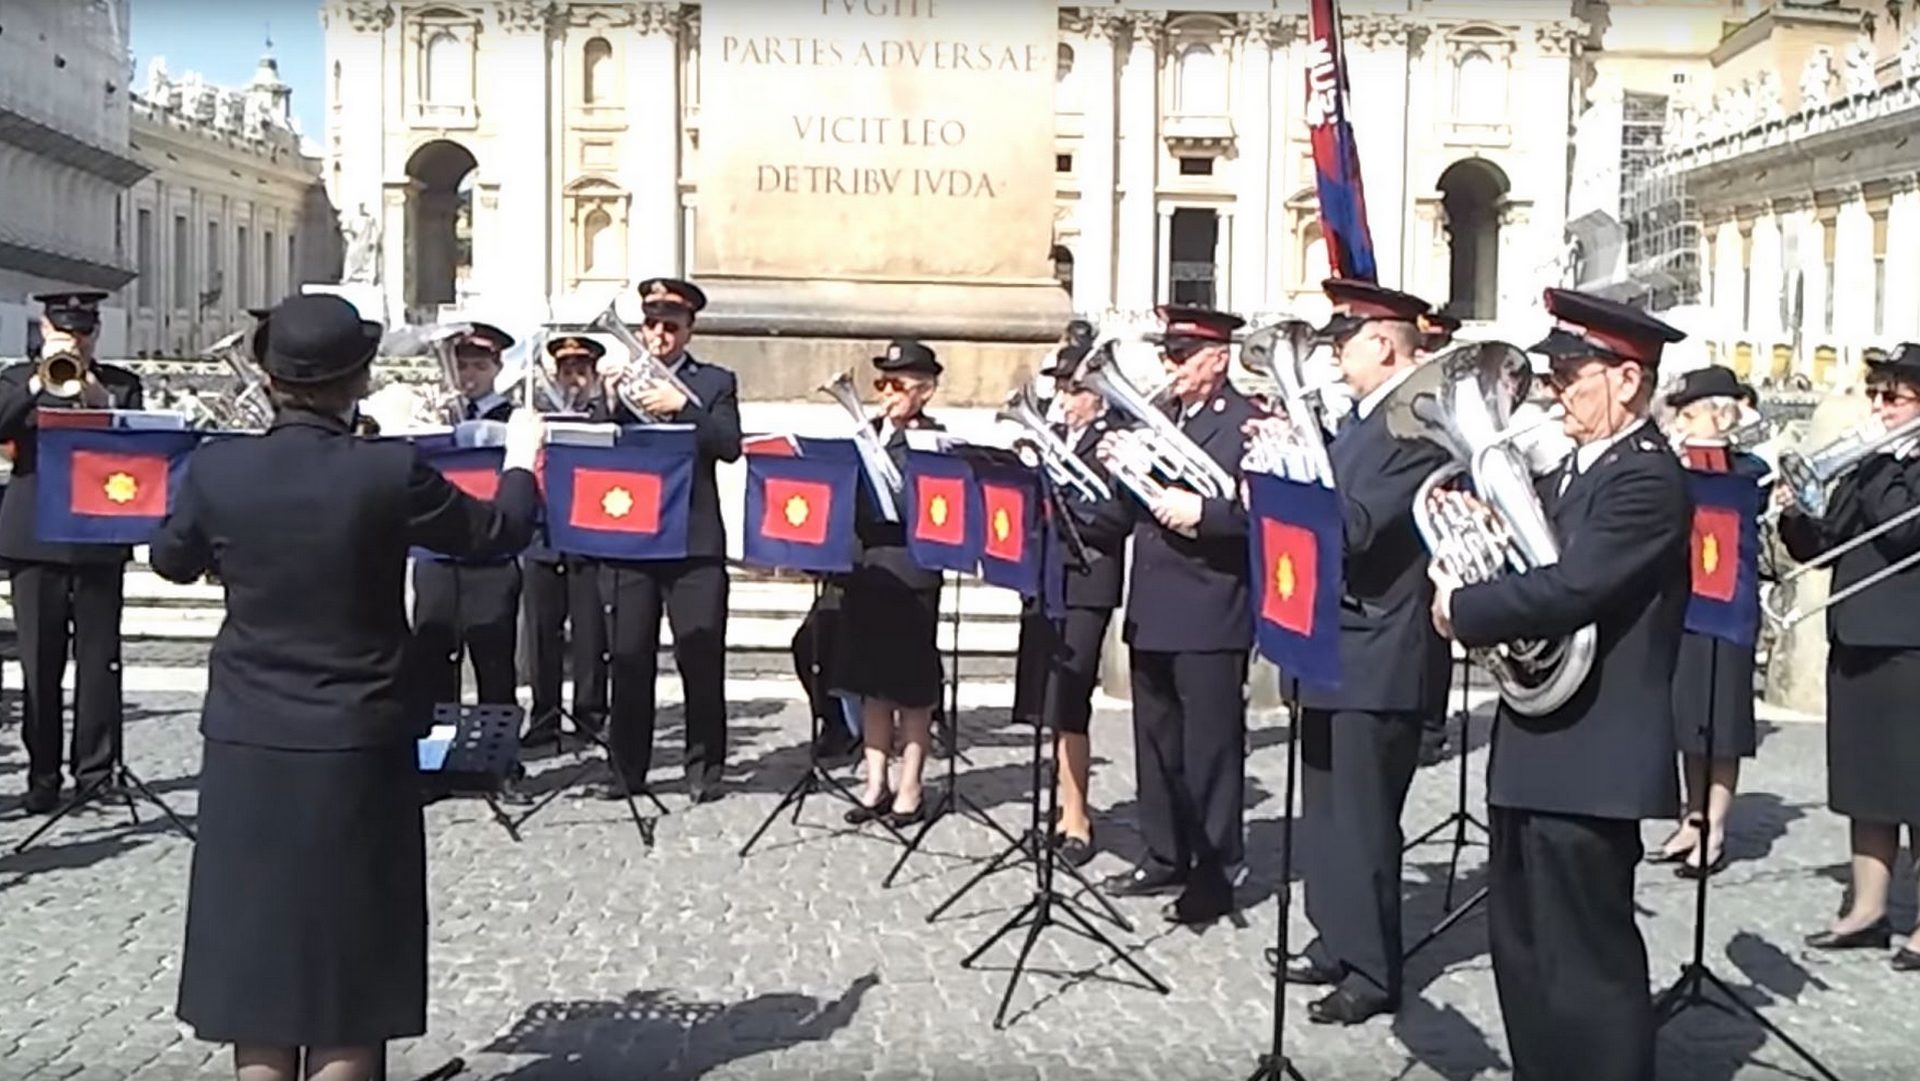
x=1585, y=455
x=1364, y=407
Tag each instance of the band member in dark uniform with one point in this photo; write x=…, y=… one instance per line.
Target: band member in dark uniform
x=471, y=606
x=1706, y=408
x=1058, y=663
x=307, y=912
x=890, y=609
x=562, y=592
x=1189, y=629
x=1360, y=743
x=60, y=586
x=1566, y=791
x=1873, y=658
x=692, y=591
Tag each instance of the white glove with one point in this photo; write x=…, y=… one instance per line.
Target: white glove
x=526, y=433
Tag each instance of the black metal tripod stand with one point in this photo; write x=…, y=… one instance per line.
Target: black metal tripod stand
x=1046, y=906
x=117, y=781
x=1689, y=989
x=1275, y=1065
x=1458, y=821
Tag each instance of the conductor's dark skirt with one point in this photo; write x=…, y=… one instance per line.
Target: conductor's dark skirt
x=1873, y=737
x=1731, y=667
x=887, y=648
x=307, y=914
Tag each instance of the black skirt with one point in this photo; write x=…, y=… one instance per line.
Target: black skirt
x=1731, y=668
x=886, y=646
x=307, y=913
x=1873, y=737
x=1057, y=668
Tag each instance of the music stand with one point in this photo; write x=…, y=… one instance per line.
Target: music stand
x=123, y=782
x=1275, y=1065
x=478, y=758
x=1458, y=821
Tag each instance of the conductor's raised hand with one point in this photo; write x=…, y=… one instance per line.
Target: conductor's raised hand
x=526, y=433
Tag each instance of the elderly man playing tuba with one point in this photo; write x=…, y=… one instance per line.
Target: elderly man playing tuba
x=1566, y=789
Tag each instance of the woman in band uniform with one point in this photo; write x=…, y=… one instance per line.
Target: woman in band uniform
x=307, y=912
x=1873, y=661
x=1706, y=408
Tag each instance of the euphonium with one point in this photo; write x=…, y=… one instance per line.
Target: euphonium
x=1292, y=443
x=1158, y=445
x=1062, y=464
x=1461, y=401
x=243, y=404
x=643, y=368
x=63, y=374
x=879, y=464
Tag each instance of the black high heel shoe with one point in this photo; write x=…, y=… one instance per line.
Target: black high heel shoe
x=865, y=813
x=1874, y=936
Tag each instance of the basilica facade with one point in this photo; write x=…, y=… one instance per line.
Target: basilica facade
x=533, y=159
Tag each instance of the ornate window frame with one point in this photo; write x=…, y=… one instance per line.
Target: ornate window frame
x=1188, y=132
x=422, y=28
x=582, y=197
x=1497, y=46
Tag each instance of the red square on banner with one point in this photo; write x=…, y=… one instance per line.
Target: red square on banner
x=1706, y=459
x=796, y=510
x=1292, y=576
x=1716, y=552
x=941, y=517
x=1006, y=511
x=478, y=483
x=617, y=500
x=119, y=485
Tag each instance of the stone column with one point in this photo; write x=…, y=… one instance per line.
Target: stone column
x=1255, y=179
x=1433, y=253
x=1098, y=71
x=1379, y=55
x=653, y=139
x=1138, y=267
x=1903, y=262
x=1763, y=295
x=1223, y=283
x=1853, y=274
x=1515, y=271
x=1163, y=258
x=396, y=247
x=509, y=277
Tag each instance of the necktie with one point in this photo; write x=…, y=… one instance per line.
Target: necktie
x=473, y=410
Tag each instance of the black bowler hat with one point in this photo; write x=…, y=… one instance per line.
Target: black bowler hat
x=1592, y=326
x=907, y=355
x=1194, y=324
x=483, y=338
x=1357, y=303
x=74, y=313
x=260, y=314
x=671, y=296
x=1712, y=381
x=258, y=340
x=1066, y=360
x=573, y=346
x=316, y=339
x=1903, y=364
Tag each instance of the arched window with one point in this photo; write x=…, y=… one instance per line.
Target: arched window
x=597, y=69
x=1480, y=91
x=1202, y=85
x=447, y=80
x=597, y=237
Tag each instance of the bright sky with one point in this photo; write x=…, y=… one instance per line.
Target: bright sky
x=223, y=40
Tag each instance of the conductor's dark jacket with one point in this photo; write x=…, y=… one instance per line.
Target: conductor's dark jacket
x=1189, y=594
x=1623, y=525
x=308, y=527
x=1391, y=658
x=20, y=425
x=1877, y=491
x=716, y=426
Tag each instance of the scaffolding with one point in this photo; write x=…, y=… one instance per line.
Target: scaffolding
x=1663, y=227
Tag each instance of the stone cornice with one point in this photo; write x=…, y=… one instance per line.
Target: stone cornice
x=524, y=16
x=1863, y=118
x=360, y=16
x=660, y=18
x=1277, y=30
x=598, y=16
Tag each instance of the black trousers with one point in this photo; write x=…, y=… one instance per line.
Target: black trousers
x=1355, y=768
x=472, y=610
x=1058, y=668
x=1189, y=735
x=693, y=595
x=563, y=609
x=54, y=603
x=1568, y=960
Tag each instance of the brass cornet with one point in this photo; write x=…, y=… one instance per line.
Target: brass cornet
x=63, y=374
x=643, y=368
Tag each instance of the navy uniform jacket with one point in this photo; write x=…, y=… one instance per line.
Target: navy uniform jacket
x=716, y=425
x=1880, y=488
x=1189, y=595
x=1096, y=584
x=1391, y=658
x=19, y=424
x=883, y=544
x=492, y=407
x=309, y=527
x=1624, y=526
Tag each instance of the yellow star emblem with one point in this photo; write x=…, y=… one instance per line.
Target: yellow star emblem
x=618, y=502
x=1283, y=580
x=1002, y=524
x=121, y=487
x=797, y=511
x=1710, y=553
x=937, y=510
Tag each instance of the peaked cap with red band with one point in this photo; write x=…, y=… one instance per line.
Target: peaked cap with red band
x=1592, y=326
x=484, y=337
x=669, y=295
x=1356, y=303
x=1194, y=323
x=570, y=346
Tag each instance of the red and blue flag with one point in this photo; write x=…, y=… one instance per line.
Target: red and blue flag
x=107, y=485
x=1012, y=555
x=1336, y=156
x=628, y=501
x=1295, y=544
x=1725, y=557
x=942, y=528
x=799, y=506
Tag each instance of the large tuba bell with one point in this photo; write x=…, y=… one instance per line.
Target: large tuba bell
x=643, y=368
x=1462, y=400
x=1292, y=443
x=1064, y=466
x=1157, y=446
x=242, y=404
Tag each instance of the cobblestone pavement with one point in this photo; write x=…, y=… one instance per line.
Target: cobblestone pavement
x=576, y=954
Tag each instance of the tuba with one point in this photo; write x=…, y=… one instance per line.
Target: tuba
x=242, y=405
x=1064, y=466
x=1293, y=445
x=1158, y=446
x=643, y=368
x=1461, y=400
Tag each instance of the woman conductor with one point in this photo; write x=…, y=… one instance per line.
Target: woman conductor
x=307, y=912
x=1873, y=663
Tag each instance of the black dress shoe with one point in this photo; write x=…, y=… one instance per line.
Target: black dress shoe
x=1874, y=936
x=612, y=790
x=901, y=820
x=1071, y=850
x=1145, y=882
x=700, y=790
x=864, y=813
x=1205, y=900
x=41, y=800
x=1343, y=1007
x=1905, y=959
x=1690, y=869
x=1304, y=970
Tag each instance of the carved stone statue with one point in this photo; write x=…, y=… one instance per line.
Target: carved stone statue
x=361, y=233
x=1766, y=94
x=1910, y=55
x=1816, y=80
x=1860, y=78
